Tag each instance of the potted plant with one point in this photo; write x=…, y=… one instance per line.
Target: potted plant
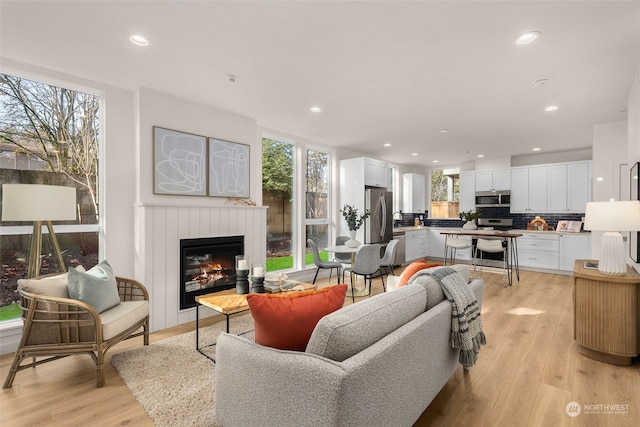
x=354, y=222
x=470, y=218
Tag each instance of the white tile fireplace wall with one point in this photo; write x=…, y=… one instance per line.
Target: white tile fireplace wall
x=159, y=229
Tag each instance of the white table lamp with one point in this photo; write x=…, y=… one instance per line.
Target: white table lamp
x=39, y=203
x=612, y=217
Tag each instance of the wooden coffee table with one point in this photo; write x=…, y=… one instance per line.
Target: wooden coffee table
x=228, y=302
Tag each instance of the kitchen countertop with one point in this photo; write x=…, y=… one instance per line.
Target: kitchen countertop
x=515, y=230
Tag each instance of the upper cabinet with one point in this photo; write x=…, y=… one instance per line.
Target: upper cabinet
x=376, y=173
x=499, y=179
x=554, y=188
x=413, y=193
x=467, y=191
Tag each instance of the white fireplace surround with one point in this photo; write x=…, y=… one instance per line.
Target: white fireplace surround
x=159, y=229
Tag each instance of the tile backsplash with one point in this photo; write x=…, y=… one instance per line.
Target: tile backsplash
x=520, y=221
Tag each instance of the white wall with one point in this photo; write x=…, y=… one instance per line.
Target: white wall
x=633, y=129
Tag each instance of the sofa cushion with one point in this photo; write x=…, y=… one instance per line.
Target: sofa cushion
x=286, y=320
x=355, y=327
x=97, y=287
x=412, y=269
x=52, y=286
x=122, y=316
x=435, y=295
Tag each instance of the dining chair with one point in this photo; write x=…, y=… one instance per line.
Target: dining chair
x=322, y=264
x=386, y=263
x=452, y=244
x=366, y=264
x=343, y=258
x=491, y=246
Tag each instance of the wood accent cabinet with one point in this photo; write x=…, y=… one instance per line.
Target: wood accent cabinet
x=606, y=315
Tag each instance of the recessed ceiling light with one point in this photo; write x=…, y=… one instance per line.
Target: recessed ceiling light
x=480, y=155
x=138, y=40
x=540, y=82
x=387, y=145
x=599, y=179
x=414, y=154
x=444, y=130
x=536, y=149
x=551, y=108
x=527, y=37
x=435, y=161
x=315, y=109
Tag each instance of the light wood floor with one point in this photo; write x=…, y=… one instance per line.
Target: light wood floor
x=525, y=376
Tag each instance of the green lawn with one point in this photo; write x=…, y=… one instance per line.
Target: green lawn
x=11, y=311
x=285, y=262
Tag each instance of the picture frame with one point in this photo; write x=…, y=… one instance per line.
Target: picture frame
x=634, y=236
x=562, y=226
x=179, y=163
x=229, y=164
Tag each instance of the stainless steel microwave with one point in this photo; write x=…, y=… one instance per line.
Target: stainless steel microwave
x=493, y=198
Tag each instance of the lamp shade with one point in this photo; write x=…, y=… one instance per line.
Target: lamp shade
x=613, y=216
x=35, y=202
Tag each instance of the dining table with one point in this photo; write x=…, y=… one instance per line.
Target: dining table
x=359, y=292
x=509, y=236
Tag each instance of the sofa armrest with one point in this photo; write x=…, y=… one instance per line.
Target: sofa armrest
x=52, y=320
x=258, y=386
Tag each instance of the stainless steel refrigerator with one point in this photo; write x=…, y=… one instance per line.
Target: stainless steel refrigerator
x=378, y=227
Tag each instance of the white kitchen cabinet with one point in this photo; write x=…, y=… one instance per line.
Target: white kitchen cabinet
x=569, y=187
x=436, y=243
x=467, y=191
x=499, y=179
x=413, y=193
x=573, y=247
x=529, y=189
x=557, y=188
x=538, y=250
x=376, y=173
x=416, y=244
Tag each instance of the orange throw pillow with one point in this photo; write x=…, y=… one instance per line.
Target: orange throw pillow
x=286, y=320
x=412, y=269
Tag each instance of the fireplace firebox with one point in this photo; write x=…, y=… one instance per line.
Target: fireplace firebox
x=207, y=265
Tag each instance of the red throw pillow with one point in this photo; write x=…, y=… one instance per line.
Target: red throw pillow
x=286, y=320
x=412, y=269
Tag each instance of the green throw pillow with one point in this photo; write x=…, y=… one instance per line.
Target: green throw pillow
x=97, y=287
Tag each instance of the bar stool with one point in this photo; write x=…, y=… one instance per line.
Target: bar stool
x=452, y=244
x=492, y=246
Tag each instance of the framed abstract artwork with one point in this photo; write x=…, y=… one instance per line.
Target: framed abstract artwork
x=228, y=169
x=179, y=163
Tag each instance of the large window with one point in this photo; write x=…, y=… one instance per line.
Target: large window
x=278, y=160
x=445, y=193
x=48, y=135
x=317, y=199
x=295, y=179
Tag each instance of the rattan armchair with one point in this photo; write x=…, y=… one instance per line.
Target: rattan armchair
x=60, y=327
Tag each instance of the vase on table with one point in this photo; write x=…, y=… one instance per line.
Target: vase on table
x=470, y=225
x=352, y=242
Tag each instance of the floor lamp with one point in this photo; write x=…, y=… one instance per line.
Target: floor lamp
x=612, y=217
x=40, y=204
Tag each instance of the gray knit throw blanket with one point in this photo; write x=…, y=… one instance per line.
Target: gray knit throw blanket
x=466, y=325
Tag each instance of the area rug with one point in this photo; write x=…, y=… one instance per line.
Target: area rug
x=172, y=381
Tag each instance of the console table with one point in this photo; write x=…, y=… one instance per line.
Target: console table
x=606, y=315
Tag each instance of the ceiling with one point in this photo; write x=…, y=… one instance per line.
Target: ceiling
x=382, y=71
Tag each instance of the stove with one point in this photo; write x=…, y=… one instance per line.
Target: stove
x=499, y=224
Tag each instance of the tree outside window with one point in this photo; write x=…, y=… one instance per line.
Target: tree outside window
x=48, y=135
